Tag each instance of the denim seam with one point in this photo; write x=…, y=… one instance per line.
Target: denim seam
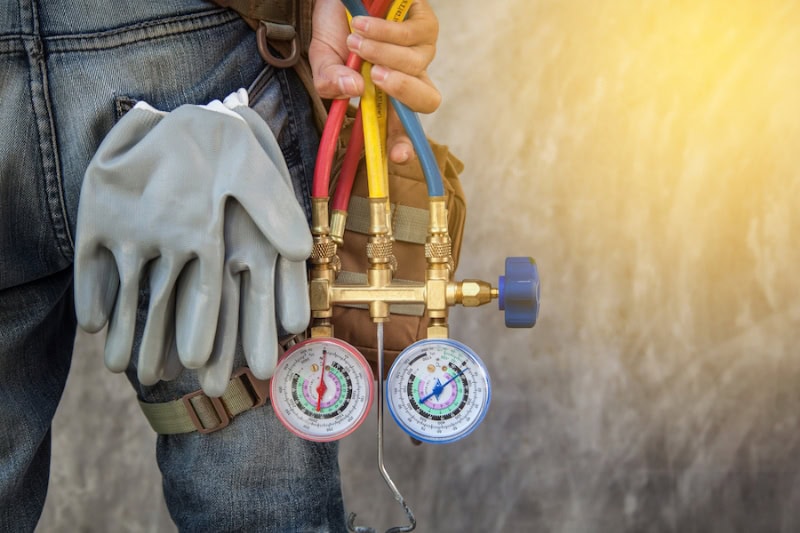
x=45, y=129
x=140, y=32
x=294, y=129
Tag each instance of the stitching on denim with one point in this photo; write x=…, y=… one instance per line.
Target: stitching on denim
x=294, y=149
x=122, y=104
x=140, y=32
x=48, y=143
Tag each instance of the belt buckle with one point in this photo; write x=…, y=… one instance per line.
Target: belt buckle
x=257, y=387
x=216, y=403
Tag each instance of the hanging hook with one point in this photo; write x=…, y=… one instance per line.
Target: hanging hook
x=381, y=466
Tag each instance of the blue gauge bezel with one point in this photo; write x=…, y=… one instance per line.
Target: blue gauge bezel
x=413, y=348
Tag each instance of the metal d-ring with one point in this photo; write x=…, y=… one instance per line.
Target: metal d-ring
x=279, y=32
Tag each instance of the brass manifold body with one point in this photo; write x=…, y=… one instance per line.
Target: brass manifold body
x=437, y=293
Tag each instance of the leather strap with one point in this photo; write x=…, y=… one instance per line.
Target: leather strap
x=281, y=24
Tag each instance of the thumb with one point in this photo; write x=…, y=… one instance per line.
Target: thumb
x=328, y=50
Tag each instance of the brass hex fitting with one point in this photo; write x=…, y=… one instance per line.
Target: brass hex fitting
x=378, y=208
x=322, y=328
x=470, y=293
x=438, y=246
x=437, y=329
x=323, y=250
x=319, y=216
x=338, y=224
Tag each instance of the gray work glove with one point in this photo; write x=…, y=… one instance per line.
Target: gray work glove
x=153, y=205
x=257, y=282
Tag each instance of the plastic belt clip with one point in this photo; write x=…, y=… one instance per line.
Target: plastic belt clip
x=196, y=411
x=258, y=390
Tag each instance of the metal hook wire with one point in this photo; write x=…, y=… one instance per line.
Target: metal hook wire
x=381, y=466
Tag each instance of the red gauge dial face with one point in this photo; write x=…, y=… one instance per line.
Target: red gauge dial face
x=322, y=389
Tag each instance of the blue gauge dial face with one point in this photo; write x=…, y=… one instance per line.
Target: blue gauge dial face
x=438, y=390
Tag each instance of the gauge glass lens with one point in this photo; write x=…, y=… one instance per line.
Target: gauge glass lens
x=438, y=390
x=322, y=389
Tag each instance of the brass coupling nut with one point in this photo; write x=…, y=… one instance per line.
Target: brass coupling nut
x=380, y=249
x=471, y=292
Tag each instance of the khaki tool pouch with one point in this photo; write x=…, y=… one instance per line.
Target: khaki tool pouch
x=408, y=193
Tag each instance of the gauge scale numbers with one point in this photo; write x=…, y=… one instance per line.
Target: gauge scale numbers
x=322, y=389
x=438, y=390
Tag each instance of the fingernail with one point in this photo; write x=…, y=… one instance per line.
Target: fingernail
x=379, y=73
x=360, y=23
x=348, y=85
x=401, y=153
x=354, y=41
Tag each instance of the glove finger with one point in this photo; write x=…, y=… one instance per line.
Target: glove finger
x=259, y=329
x=266, y=139
x=172, y=363
x=119, y=342
x=216, y=373
x=285, y=224
x=96, y=286
x=159, y=329
x=291, y=295
x=197, y=309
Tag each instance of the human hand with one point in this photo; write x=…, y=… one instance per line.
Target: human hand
x=399, y=51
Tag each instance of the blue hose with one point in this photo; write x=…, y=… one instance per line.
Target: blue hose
x=411, y=124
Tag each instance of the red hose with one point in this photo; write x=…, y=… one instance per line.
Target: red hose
x=333, y=125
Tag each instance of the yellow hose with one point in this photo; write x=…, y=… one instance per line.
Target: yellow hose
x=374, y=113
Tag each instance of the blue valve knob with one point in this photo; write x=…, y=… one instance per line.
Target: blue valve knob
x=519, y=292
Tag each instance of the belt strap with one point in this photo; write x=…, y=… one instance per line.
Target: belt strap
x=198, y=412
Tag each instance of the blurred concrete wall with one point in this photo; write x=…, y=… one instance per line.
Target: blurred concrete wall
x=646, y=153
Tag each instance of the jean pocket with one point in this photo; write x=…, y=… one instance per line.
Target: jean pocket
x=280, y=98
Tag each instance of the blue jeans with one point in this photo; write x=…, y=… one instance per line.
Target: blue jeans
x=68, y=73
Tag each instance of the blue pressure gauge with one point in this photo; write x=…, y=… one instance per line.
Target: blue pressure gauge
x=438, y=390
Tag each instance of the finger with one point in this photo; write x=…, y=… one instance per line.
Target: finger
x=421, y=27
x=295, y=227
x=216, y=374
x=399, y=146
x=418, y=93
x=172, y=364
x=283, y=223
x=159, y=330
x=119, y=342
x=411, y=60
x=337, y=81
x=96, y=286
x=327, y=52
x=291, y=295
x=259, y=328
x=197, y=308
x=266, y=139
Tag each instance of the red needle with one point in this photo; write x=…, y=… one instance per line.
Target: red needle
x=321, y=388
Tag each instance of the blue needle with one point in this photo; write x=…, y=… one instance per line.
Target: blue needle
x=439, y=387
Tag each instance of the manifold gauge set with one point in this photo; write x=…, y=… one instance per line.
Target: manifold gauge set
x=437, y=390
